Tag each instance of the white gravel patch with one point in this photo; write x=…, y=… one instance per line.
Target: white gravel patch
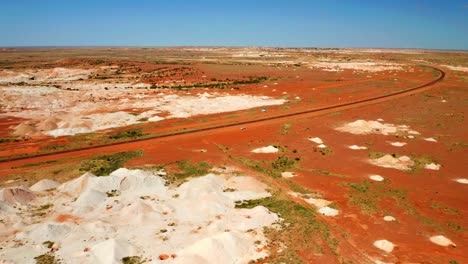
x=389, y=218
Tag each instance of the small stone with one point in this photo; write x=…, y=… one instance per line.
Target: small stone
x=163, y=256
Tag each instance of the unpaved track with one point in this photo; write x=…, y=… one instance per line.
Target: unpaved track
x=140, y=143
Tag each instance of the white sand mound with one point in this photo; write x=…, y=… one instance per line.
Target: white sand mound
x=432, y=166
x=462, y=180
x=397, y=144
x=16, y=195
x=376, y=178
x=111, y=251
x=389, y=218
x=49, y=232
x=44, y=185
x=316, y=140
x=268, y=149
x=387, y=161
x=384, y=245
x=288, y=174
x=442, y=241
x=134, y=213
x=355, y=147
x=322, y=146
x=328, y=211
x=362, y=127
x=430, y=139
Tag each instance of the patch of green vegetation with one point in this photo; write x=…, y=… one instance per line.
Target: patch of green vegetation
x=462, y=144
x=133, y=260
x=324, y=151
x=143, y=119
x=104, y=165
x=188, y=169
x=366, y=195
x=46, y=259
x=332, y=91
x=453, y=261
x=222, y=148
x=285, y=129
x=377, y=155
x=445, y=208
x=45, y=207
x=327, y=173
x=420, y=162
x=336, y=113
x=36, y=164
x=9, y=139
x=48, y=243
x=113, y=193
x=273, y=169
x=455, y=227
x=128, y=134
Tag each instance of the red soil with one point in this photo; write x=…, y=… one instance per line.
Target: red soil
x=424, y=112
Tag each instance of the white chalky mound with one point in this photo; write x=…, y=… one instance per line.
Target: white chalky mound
x=387, y=161
x=356, y=147
x=442, y=241
x=362, y=127
x=267, y=149
x=397, y=144
x=384, y=245
x=288, y=174
x=376, y=178
x=44, y=185
x=462, y=180
x=432, y=166
x=134, y=213
x=316, y=140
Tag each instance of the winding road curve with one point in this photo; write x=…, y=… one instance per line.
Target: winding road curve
x=299, y=114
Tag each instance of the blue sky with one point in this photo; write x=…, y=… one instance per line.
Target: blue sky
x=296, y=23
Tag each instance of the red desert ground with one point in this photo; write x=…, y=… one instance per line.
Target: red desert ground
x=233, y=155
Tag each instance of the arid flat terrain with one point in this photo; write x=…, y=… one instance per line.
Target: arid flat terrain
x=233, y=155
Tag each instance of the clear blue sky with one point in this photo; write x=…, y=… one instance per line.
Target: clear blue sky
x=439, y=24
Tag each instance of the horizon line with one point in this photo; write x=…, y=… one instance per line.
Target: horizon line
x=226, y=46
